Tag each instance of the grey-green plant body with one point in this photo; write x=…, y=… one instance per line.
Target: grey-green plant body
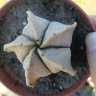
x=43, y=48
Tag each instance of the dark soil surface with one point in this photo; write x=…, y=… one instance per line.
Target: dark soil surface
x=54, y=11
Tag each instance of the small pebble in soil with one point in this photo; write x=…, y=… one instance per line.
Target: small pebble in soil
x=24, y=23
x=81, y=47
x=61, y=88
x=54, y=84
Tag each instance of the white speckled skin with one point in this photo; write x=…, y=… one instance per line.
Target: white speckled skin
x=21, y=46
x=34, y=68
x=91, y=54
x=36, y=27
x=28, y=53
x=57, y=59
x=59, y=35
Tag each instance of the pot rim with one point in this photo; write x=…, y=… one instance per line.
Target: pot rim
x=12, y=83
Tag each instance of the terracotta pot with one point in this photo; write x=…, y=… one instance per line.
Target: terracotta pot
x=10, y=82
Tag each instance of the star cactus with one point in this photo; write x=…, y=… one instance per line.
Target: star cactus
x=43, y=48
